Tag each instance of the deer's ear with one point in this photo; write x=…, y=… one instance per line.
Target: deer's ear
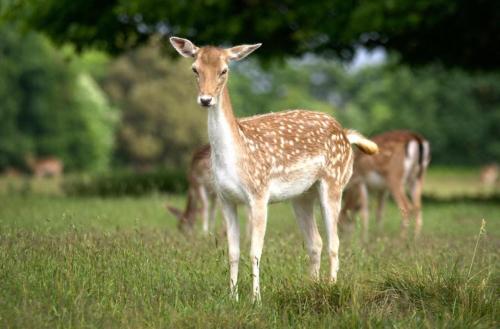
x=176, y=212
x=239, y=52
x=184, y=47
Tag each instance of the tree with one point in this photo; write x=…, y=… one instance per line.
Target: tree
x=462, y=33
x=160, y=120
x=46, y=109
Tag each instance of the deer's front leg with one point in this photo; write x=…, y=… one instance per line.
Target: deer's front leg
x=258, y=220
x=233, y=239
x=202, y=192
x=212, y=208
x=365, y=215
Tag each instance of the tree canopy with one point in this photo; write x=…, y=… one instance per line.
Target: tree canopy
x=160, y=122
x=49, y=108
x=462, y=33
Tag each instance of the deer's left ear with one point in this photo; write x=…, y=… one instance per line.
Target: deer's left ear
x=239, y=52
x=184, y=47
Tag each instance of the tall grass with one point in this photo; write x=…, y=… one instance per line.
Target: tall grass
x=120, y=263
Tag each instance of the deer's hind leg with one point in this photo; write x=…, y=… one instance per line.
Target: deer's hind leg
x=381, y=198
x=330, y=196
x=404, y=205
x=303, y=207
x=416, y=198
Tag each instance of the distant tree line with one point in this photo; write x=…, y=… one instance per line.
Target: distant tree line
x=139, y=109
x=458, y=111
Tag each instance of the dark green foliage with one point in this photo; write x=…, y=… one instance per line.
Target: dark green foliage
x=161, y=124
x=48, y=109
x=456, y=33
x=127, y=183
x=458, y=112
x=35, y=89
x=483, y=198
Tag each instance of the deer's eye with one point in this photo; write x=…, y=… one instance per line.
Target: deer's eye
x=195, y=70
x=223, y=72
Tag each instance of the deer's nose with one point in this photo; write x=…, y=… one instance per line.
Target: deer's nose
x=205, y=100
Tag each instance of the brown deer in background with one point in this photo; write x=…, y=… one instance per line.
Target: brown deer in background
x=201, y=190
x=400, y=164
x=295, y=155
x=45, y=166
x=489, y=175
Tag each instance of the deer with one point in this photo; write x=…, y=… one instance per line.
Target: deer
x=401, y=164
x=45, y=167
x=201, y=189
x=295, y=155
x=489, y=175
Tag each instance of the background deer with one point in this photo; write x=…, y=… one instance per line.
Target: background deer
x=489, y=175
x=200, y=191
x=400, y=165
x=45, y=167
x=298, y=155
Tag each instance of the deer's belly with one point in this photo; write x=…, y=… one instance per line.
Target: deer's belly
x=295, y=179
x=375, y=181
x=280, y=189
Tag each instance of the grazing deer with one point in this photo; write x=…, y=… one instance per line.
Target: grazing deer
x=45, y=167
x=200, y=189
x=400, y=164
x=298, y=155
x=489, y=175
x=11, y=172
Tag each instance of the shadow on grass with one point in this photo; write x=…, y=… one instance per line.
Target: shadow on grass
x=492, y=198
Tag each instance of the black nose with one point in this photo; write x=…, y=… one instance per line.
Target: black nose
x=205, y=101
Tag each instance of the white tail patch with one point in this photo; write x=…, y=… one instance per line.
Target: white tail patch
x=427, y=154
x=364, y=144
x=411, y=160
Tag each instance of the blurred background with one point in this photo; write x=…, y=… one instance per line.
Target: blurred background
x=92, y=89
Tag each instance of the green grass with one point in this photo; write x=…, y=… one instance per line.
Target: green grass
x=456, y=181
x=120, y=263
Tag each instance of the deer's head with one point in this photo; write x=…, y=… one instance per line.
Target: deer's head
x=211, y=66
x=185, y=224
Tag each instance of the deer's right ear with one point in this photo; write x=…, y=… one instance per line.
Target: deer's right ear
x=176, y=212
x=239, y=52
x=184, y=47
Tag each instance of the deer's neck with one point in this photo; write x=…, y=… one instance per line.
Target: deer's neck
x=223, y=130
x=226, y=143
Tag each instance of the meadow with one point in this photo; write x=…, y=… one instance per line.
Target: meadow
x=88, y=262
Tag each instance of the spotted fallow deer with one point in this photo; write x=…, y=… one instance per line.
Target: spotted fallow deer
x=489, y=175
x=400, y=165
x=45, y=167
x=200, y=190
x=298, y=155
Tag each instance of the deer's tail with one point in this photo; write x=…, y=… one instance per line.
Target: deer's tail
x=364, y=144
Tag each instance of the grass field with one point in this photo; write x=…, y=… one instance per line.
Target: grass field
x=120, y=263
